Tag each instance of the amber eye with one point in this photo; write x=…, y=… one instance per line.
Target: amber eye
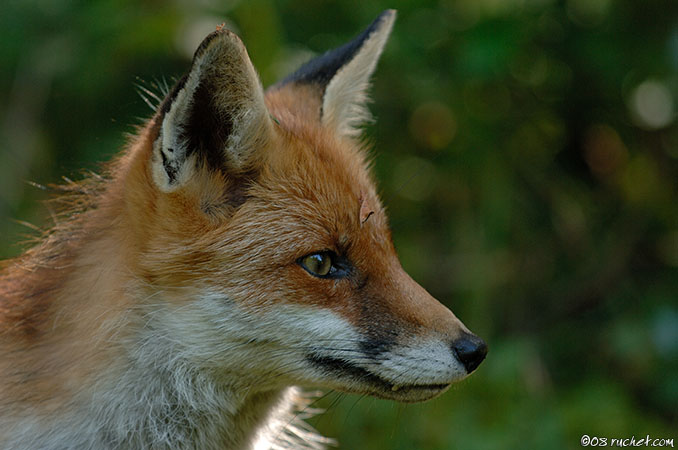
x=318, y=264
x=326, y=264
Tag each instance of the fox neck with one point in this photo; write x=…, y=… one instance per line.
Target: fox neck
x=161, y=405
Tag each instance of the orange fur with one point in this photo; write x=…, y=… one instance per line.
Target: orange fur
x=196, y=278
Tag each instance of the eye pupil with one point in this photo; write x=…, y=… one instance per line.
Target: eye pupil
x=318, y=264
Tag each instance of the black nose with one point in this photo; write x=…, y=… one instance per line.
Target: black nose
x=470, y=351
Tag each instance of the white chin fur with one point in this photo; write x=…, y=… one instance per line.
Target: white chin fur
x=420, y=362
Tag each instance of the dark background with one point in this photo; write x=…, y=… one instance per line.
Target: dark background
x=527, y=151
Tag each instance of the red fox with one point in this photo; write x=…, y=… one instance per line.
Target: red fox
x=235, y=251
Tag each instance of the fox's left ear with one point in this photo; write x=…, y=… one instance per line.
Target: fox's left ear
x=214, y=118
x=342, y=76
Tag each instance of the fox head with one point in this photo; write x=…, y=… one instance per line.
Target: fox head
x=258, y=225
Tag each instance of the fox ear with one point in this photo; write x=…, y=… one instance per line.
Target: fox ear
x=214, y=117
x=343, y=75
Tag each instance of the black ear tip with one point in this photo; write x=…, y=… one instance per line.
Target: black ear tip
x=212, y=38
x=206, y=42
x=322, y=69
x=226, y=37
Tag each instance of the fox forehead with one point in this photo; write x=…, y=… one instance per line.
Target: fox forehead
x=317, y=186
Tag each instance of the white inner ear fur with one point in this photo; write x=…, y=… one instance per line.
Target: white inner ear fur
x=168, y=143
x=344, y=103
x=238, y=95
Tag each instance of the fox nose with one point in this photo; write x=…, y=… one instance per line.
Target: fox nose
x=470, y=351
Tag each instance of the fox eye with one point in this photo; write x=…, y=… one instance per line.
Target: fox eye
x=321, y=264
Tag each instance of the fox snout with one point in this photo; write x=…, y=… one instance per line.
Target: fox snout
x=386, y=335
x=420, y=341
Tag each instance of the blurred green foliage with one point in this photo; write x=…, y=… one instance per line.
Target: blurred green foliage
x=527, y=151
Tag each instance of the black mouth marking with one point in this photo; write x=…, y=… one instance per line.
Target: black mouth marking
x=375, y=347
x=343, y=368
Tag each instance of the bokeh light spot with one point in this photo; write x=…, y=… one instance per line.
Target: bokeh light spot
x=651, y=105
